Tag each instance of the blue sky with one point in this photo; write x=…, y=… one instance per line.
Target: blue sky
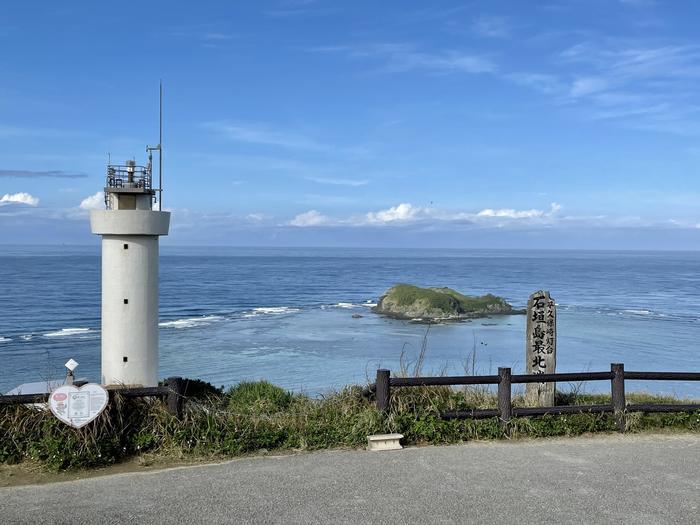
x=564, y=124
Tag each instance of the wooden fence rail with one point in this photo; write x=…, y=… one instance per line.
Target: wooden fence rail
x=173, y=393
x=506, y=411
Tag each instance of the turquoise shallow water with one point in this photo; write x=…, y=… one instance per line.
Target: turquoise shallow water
x=229, y=314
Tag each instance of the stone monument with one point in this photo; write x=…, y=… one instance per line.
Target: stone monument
x=541, y=348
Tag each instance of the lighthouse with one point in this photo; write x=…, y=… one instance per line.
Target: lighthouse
x=130, y=230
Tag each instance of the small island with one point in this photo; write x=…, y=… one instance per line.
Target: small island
x=429, y=305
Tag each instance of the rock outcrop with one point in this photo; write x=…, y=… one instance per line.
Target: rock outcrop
x=405, y=301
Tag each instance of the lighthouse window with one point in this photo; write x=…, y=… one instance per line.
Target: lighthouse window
x=125, y=359
x=126, y=301
x=126, y=246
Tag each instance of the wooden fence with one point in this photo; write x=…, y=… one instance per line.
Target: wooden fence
x=173, y=392
x=506, y=411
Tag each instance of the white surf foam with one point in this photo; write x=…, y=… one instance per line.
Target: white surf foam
x=348, y=306
x=637, y=312
x=271, y=310
x=4, y=339
x=190, y=321
x=65, y=332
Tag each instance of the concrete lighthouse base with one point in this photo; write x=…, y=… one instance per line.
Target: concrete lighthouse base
x=130, y=294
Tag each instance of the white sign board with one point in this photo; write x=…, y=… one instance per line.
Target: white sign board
x=77, y=406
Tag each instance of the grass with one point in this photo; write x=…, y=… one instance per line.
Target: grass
x=255, y=417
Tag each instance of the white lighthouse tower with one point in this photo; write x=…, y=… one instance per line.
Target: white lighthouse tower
x=130, y=228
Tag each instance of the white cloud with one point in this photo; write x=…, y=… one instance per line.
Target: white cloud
x=19, y=198
x=258, y=217
x=400, y=213
x=508, y=213
x=93, y=202
x=309, y=218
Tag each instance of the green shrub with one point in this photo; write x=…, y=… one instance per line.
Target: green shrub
x=258, y=396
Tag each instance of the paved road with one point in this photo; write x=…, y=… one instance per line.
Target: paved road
x=648, y=479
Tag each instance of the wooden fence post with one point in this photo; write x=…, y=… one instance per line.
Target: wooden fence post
x=505, y=407
x=176, y=396
x=617, y=386
x=383, y=390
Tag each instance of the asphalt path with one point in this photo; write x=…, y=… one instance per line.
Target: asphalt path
x=608, y=479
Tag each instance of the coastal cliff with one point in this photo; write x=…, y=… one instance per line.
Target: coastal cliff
x=405, y=301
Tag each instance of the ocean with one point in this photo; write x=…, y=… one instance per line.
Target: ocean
x=286, y=314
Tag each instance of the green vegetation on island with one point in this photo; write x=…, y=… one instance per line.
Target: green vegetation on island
x=406, y=301
x=258, y=417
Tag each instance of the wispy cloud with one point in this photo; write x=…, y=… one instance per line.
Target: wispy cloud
x=639, y=3
x=546, y=83
x=31, y=174
x=258, y=217
x=216, y=37
x=337, y=182
x=403, y=58
x=626, y=82
x=636, y=60
x=19, y=198
x=588, y=85
x=261, y=134
x=205, y=35
x=29, y=132
x=270, y=136
x=300, y=9
x=492, y=26
x=610, y=79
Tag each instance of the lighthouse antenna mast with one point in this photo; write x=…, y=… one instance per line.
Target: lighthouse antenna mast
x=159, y=147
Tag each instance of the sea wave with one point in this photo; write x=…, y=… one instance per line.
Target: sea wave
x=637, y=312
x=4, y=339
x=348, y=306
x=190, y=322
x=65, y=332
x=271, y=310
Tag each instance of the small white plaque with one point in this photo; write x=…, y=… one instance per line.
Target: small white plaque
x=77, y=406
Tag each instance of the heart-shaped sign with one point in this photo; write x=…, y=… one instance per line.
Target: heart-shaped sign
x=77, y=406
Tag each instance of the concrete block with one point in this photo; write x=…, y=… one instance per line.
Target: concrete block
x=379, y=442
